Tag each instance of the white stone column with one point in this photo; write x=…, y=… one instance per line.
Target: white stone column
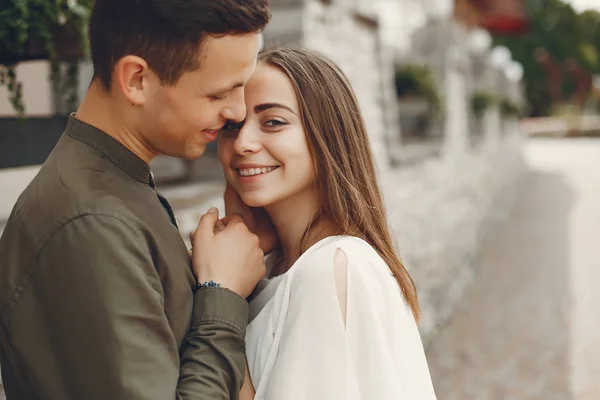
x=492, y=122
x=456, y=129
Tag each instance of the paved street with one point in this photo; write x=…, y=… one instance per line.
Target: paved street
x=529, y=326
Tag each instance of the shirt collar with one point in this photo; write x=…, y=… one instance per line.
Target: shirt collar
x=110, y=148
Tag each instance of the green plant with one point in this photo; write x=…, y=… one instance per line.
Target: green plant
x=565, y=34
x=480, y=102
x=509, y=108
x=31, y=29
x=417, y=80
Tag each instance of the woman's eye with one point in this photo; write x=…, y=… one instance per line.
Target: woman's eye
x=232, y=126
x=273, y=123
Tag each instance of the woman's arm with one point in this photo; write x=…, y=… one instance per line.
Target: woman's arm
x=247, y=392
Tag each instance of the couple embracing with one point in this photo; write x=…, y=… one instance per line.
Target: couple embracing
x=296, y=293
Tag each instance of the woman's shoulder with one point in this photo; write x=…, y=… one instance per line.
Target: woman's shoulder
x=347, y=267
x=355, y=251
x=355, y=248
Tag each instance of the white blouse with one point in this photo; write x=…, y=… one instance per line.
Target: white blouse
x=300, y=346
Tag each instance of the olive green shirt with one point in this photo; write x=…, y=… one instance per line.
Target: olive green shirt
x=96, y=297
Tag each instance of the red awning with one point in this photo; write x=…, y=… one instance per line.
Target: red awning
x=502, y=16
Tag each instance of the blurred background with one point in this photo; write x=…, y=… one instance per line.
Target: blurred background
x=484, y=117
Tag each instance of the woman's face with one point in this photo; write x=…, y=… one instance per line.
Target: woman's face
x=267, y=160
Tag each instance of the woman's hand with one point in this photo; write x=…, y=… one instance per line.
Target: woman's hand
x=256, y=219
x=247, y=392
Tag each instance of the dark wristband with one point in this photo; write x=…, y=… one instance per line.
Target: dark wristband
x=209, y=284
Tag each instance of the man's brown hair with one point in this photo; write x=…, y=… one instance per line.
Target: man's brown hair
x=166, y=33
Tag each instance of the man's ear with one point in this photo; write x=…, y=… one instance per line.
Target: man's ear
x=131, y=75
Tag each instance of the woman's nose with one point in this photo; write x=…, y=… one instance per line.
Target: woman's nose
x=247, y=140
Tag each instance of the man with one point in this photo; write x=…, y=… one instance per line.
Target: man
x=98, y=296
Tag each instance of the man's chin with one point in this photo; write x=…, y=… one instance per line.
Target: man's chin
x=192, y=154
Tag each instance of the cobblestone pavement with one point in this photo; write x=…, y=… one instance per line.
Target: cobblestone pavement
x=528, y=327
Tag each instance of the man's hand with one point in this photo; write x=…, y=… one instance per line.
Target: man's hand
x=256, y=219
x=227, y=253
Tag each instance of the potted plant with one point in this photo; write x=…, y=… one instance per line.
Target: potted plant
x=418, y=100
x=481, y=101
x=416, y=81
x=43, y=29
x=509, y=108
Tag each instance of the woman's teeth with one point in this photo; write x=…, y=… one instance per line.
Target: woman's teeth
x=255, y=171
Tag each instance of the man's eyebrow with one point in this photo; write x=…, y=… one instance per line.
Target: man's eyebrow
x=263, y=107
x=228, y=89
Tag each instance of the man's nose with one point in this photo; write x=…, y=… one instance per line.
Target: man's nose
x=236, y=109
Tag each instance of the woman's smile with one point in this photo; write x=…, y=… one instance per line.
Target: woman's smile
x=253, y=174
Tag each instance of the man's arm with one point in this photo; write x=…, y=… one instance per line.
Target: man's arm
x=213, y=362
x=100, y=297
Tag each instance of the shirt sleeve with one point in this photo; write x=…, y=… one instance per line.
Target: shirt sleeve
x=373, y=351
x=100, y=299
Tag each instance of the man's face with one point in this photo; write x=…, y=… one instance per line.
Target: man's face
x=180, y=120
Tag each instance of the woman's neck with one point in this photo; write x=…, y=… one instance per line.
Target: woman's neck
x=291, y=218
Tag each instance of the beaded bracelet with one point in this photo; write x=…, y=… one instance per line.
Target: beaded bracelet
x=209, y=284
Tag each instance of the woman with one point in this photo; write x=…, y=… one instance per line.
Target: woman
x=335, y=317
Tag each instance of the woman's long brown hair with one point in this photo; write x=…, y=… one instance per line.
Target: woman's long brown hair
x=345, y=174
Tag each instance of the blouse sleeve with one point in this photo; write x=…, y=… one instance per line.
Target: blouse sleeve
x=347, y=334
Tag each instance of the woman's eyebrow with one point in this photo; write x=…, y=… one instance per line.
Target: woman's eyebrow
x=266, y=106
